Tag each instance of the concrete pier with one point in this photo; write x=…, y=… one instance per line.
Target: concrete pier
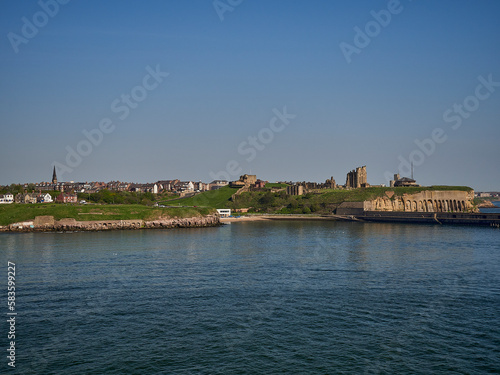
x=460, y=218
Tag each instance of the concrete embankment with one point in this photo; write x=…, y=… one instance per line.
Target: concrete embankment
x=49, y=224
x=458, y=218
x=260, y=217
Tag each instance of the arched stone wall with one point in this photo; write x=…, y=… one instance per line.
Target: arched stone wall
x=426, y=201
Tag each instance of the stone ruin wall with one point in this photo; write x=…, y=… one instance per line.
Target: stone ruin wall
x=356, y=178
x=425, y=201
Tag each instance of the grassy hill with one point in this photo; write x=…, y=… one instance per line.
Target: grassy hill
x=12, y=213
x=321, y=202
x=213, y=198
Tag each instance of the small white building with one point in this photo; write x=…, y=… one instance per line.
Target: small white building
x=47, y=198
x=6, y=198
x=224, y=212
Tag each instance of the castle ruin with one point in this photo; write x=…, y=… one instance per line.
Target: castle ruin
x=356, y=178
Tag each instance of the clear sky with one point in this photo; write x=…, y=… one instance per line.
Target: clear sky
x=353, y=82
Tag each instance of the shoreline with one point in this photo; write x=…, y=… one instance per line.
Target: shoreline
x=264, y=217
x=487, y=204
x=401, y=217
x=49, y=224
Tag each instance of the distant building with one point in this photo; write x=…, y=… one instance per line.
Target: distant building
x=184, y=186
x=357, y=178
x=405, y=182
x=135, y=188
x=44, y=198
x=113, y=185
x=260, y=184
x=330, y=184
x=144, y=188
x=245, y=180
x=200, y=186
x=224, y=212
x=54, y=176
x=310, y=186
x=295, y=190
x=66, y=198
x=242, y=209
x=484, y=195
x=167, y=185
x=26, y=198
x=150, y=188
x=6, y=199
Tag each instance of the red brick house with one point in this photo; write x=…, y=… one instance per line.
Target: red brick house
x=66, y=198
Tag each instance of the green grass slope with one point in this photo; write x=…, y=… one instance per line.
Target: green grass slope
x=321, y=202
x=214, y=198
x=12, y=213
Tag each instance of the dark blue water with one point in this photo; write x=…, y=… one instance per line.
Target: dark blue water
x=257, y=298
x=492, y=210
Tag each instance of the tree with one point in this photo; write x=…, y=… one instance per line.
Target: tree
x=15, y=189
x=266, y=199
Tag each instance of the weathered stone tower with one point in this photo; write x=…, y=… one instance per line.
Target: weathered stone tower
x=356, y=178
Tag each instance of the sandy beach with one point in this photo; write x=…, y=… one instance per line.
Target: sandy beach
x=247, y=218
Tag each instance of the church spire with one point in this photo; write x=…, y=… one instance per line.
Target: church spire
x=54, y=176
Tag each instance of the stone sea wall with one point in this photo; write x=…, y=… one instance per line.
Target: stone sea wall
x=425, y=201
x=49, y=224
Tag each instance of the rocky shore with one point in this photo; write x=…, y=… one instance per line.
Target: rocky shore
x=49, y=224
x=486, y=204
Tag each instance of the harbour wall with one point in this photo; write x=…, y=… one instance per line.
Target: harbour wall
x=425, y=201
x=475, y=219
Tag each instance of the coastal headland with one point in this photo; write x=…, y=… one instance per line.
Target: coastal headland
x=434, y=204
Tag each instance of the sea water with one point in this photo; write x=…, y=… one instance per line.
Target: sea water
x=279, y=297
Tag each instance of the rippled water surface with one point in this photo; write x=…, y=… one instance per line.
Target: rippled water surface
x=257, y=298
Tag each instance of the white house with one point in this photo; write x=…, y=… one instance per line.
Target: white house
x=45, y=198
x=185, y=186
x=224, y=212
x=6, y=198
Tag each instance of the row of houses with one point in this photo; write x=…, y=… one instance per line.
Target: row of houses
x=487, y=194
x=174, y=186
x=44, y=198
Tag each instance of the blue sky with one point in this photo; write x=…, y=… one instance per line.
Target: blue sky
x=230, y=71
